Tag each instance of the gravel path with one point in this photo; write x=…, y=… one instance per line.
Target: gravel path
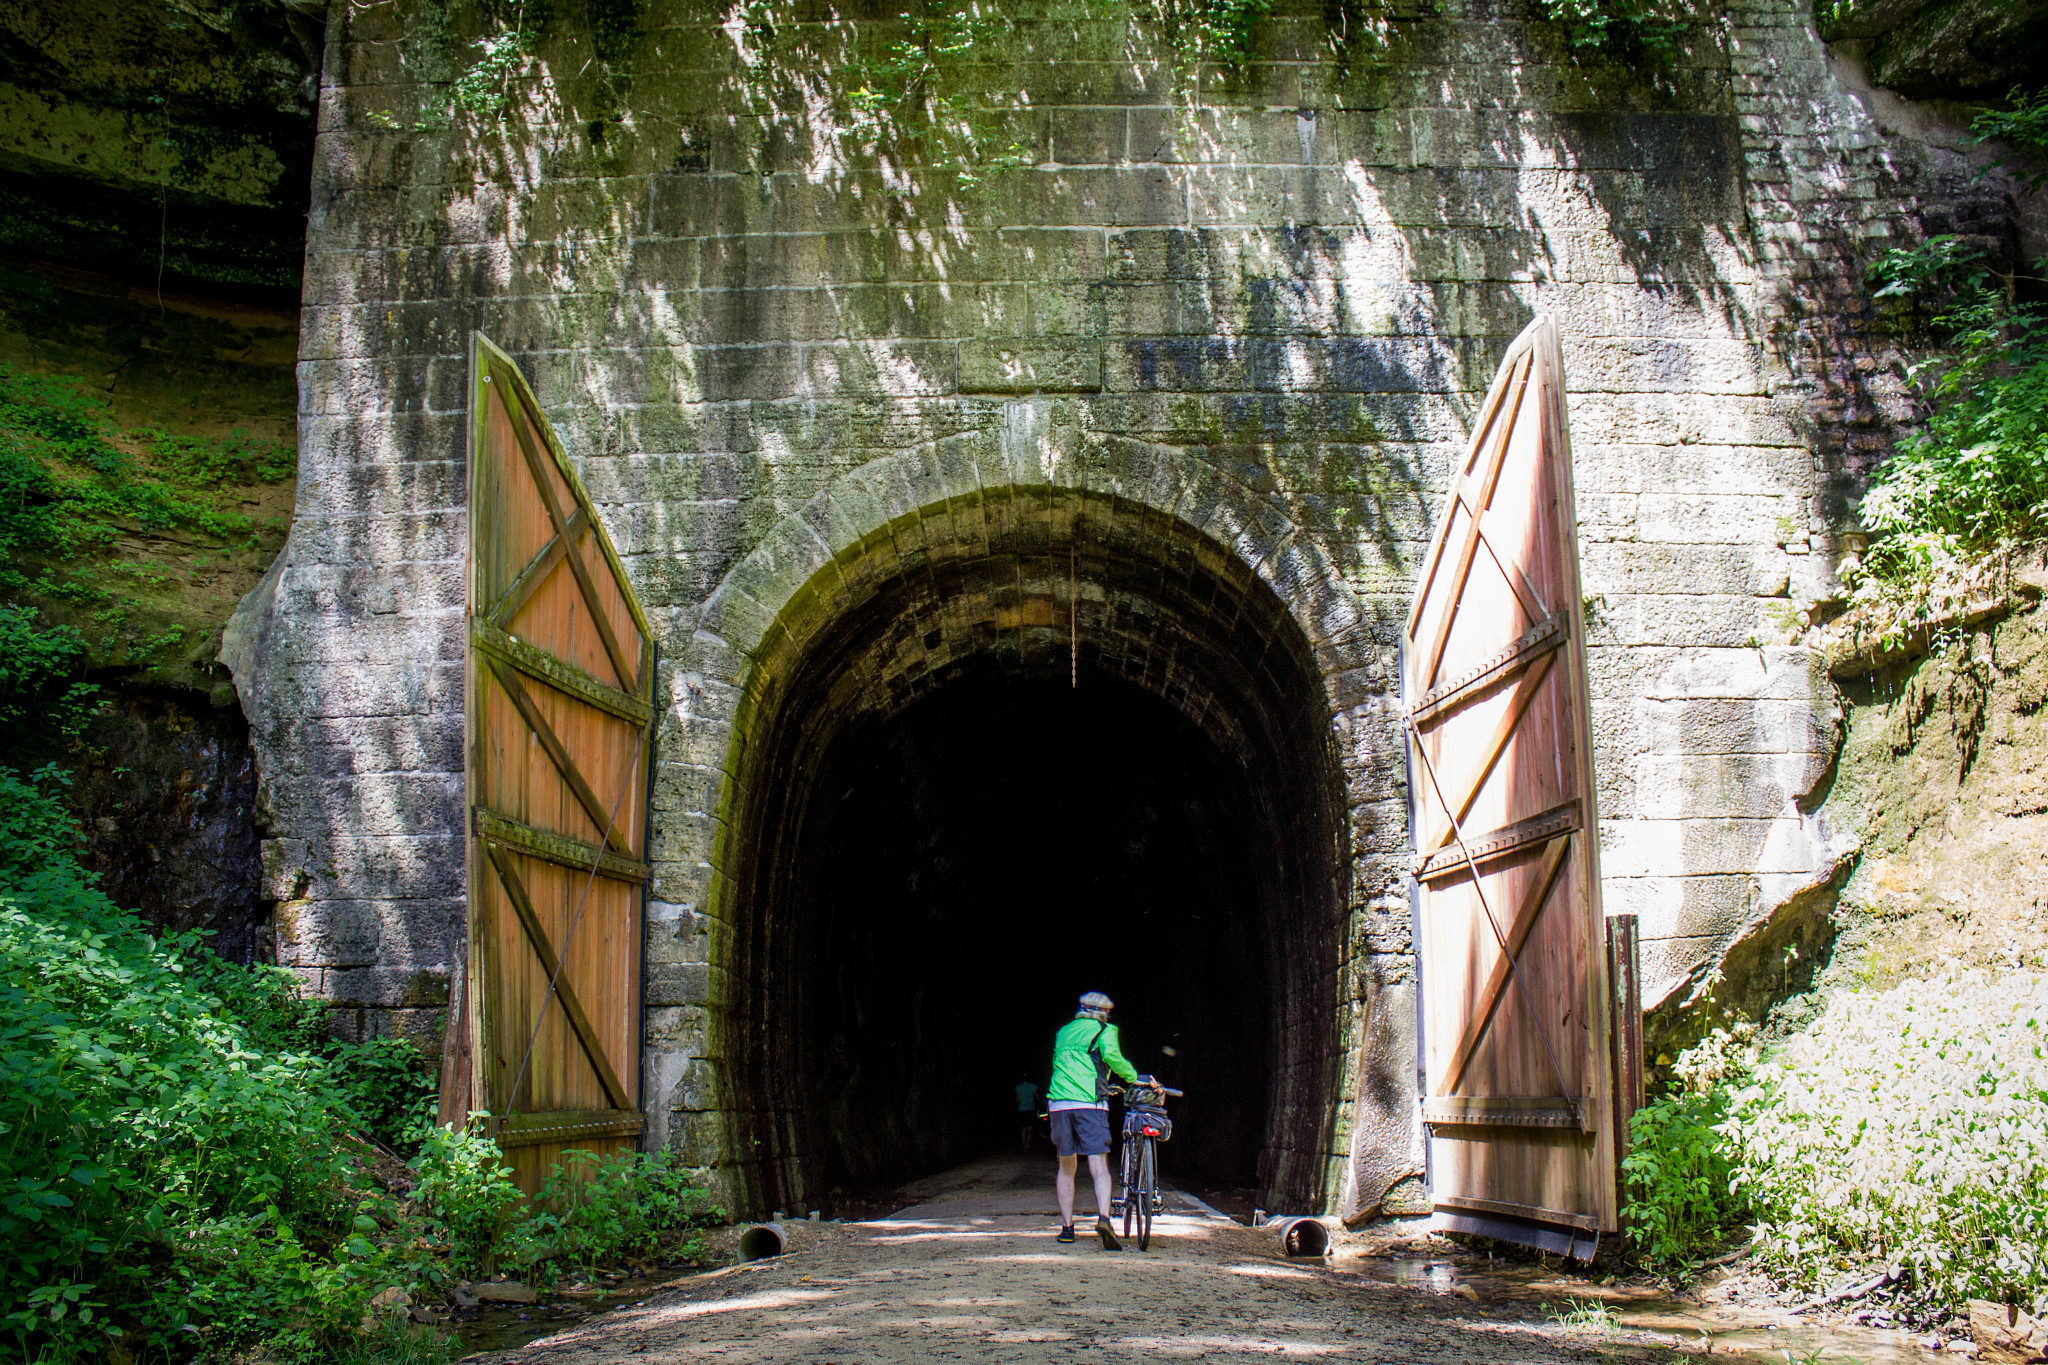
x=973, y=1274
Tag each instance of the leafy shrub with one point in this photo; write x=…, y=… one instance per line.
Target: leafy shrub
x=44, y=703
x=1679, y=1175
x=589, y=1210
x=387, y=1089
x=1907, y=1128
x=1650, y=28
x=2023, y=124
x=150, y=1151
x=467, y=1189
x=1977, y=474
x=174, y=1147
x=595, y=1209
x=1974, y=480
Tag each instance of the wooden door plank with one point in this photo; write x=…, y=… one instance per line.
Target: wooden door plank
x=1470, y=546
x=1496, y=744
x=1488, y=999
x=564, y=990
x=537, y=570
x=600, y=618
x=603, y=821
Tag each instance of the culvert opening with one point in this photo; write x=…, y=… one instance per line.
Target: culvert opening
x=1001, y=777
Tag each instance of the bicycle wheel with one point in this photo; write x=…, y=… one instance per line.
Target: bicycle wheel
x=1147, y=1197
x=1130, y=1184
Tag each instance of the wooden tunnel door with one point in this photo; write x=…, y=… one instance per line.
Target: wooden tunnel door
x=1516, y=1061
x=558, y=707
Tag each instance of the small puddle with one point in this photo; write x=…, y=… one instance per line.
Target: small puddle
x=507, y=1327
x=1739, y=1334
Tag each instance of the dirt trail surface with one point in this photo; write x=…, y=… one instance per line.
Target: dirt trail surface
x=972, y=1273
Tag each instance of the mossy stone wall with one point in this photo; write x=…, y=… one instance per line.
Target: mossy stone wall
x=1289, y=282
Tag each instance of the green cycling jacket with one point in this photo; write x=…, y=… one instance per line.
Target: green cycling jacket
x=1074, y=1050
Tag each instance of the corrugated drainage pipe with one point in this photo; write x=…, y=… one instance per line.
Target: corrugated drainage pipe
x=761, y=1241
x=1302, y=1236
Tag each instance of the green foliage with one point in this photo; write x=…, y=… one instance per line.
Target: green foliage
x=1218, y=30
x=386, y=1089
x=1907, y=1128
x=152, y=1156
x=35, y=828
x=468, y=1190
x=1679, y=1174
x=175, y=1139
x=2023, y=124
x=72, y=485
x=44, y=704
x=1651, y=29
x=596, y=1209
x=591, y=1209
x=482, y=89
x=1975, y=477
x=1973, y=482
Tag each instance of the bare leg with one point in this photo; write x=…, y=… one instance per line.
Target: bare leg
x=1098, y=1166
x=1063, y=1185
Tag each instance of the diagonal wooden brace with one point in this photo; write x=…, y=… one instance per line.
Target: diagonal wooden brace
x=1488, y=1001
x=558, y=754
x=1492, y=920
x=1475, y=509
x=538, y=568
x=551, y=965
x=535, y=466
x=1496, y=745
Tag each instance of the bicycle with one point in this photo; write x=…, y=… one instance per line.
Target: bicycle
x=1146, y=1125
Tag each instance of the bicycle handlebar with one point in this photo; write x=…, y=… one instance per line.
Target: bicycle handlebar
x=1126, y=1089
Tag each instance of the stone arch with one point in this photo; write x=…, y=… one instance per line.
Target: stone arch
x=1179, y=582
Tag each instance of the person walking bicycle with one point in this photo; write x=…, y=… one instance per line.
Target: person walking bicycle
x=1085, y=1053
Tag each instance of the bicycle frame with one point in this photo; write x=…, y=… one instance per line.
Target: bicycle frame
x=1146, y=1125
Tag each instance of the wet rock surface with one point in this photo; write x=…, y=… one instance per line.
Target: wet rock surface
x=167, y=801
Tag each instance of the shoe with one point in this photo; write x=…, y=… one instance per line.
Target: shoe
x=1066, y=1234
x=1108, y=1235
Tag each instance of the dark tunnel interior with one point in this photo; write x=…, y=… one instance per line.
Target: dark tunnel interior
x=979, y=860
x=1006, y=754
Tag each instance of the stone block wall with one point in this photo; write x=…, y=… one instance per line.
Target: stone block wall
x=1294, y=279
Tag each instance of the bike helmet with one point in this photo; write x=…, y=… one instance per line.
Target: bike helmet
x=1096, y=1005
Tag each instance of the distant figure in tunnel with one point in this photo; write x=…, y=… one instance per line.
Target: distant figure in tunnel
x=1027, y=1110
x=1084, y=1054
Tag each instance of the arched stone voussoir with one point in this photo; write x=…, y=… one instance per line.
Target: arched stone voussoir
x=904, y=505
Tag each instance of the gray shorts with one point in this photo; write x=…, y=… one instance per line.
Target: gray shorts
x=1080, y=1132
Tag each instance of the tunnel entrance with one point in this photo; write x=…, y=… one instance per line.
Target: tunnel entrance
x=1082, y=748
